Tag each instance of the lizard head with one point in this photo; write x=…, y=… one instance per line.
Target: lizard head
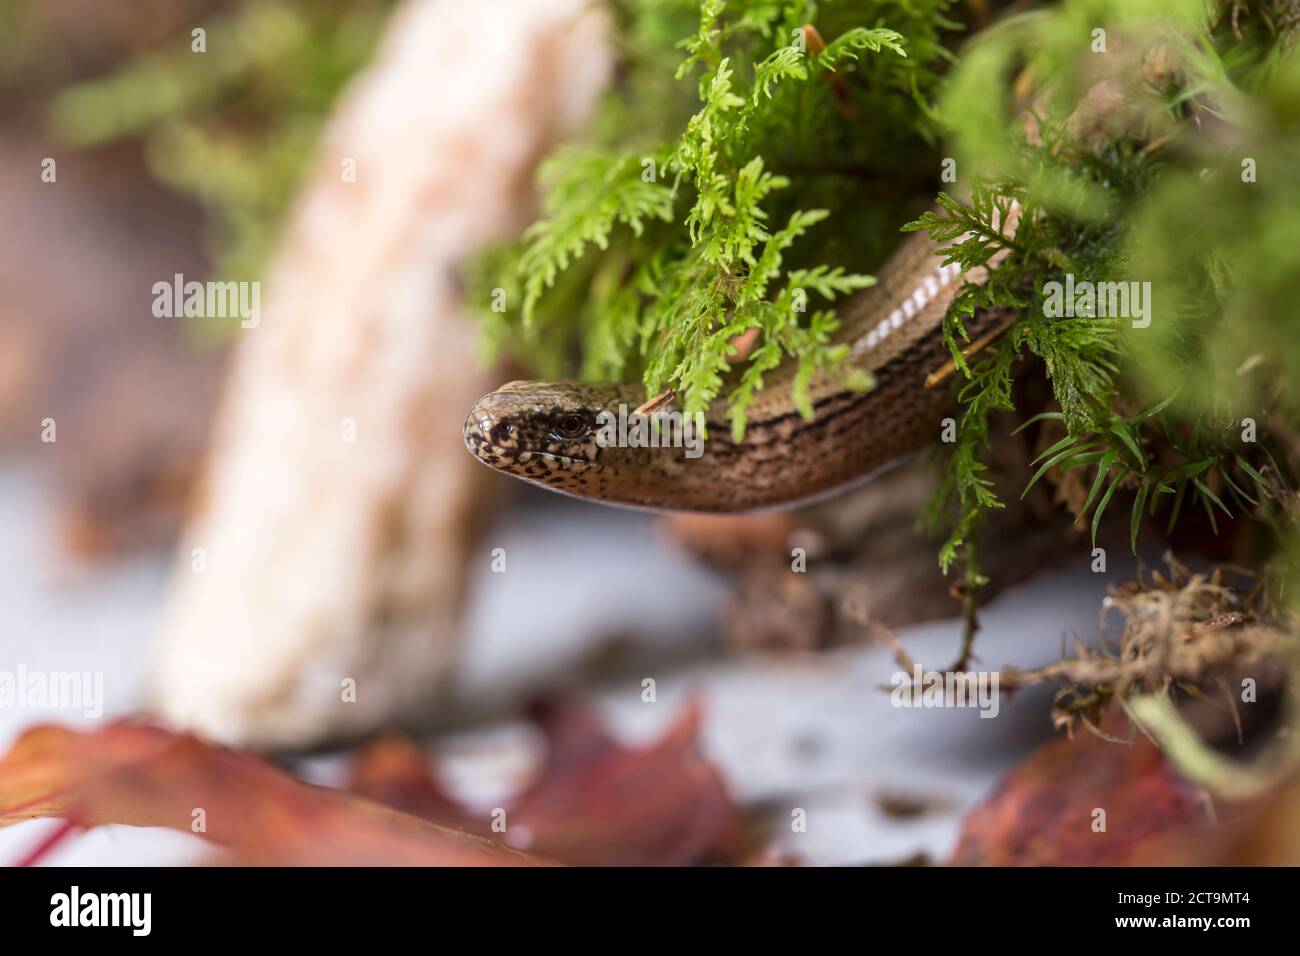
x=545, y=432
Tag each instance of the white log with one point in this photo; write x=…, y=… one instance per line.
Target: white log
x=327, y=560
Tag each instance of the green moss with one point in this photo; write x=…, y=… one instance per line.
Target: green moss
x=795, y=167
x=676, y=226
x=1170, y=208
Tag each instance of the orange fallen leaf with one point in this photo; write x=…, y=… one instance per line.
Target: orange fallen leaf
x=144, y=775
x=1267, y=833
x=595, y=802
x=396, y=772
x=1044, y=812
x=599, y=803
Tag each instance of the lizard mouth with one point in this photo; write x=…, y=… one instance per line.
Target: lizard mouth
x=491, y=454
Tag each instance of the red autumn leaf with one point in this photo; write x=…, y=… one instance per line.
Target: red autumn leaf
x=1043, y=812
x=395, y=772
x=595, y=802
x=144, y=775
x=601, y=804
x=1265, y=833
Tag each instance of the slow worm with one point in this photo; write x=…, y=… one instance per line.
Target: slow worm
x=550, y=433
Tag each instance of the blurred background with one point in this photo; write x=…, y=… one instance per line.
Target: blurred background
x=204, y=532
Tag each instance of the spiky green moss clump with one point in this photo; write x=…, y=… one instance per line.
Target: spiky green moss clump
x=779, y=162
x=698, y=211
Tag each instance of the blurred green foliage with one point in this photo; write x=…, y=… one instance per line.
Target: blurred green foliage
x=1185, y=178
x=234, y=127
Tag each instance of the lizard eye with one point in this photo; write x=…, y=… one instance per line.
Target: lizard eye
x=571, y=426
x=502, y=433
